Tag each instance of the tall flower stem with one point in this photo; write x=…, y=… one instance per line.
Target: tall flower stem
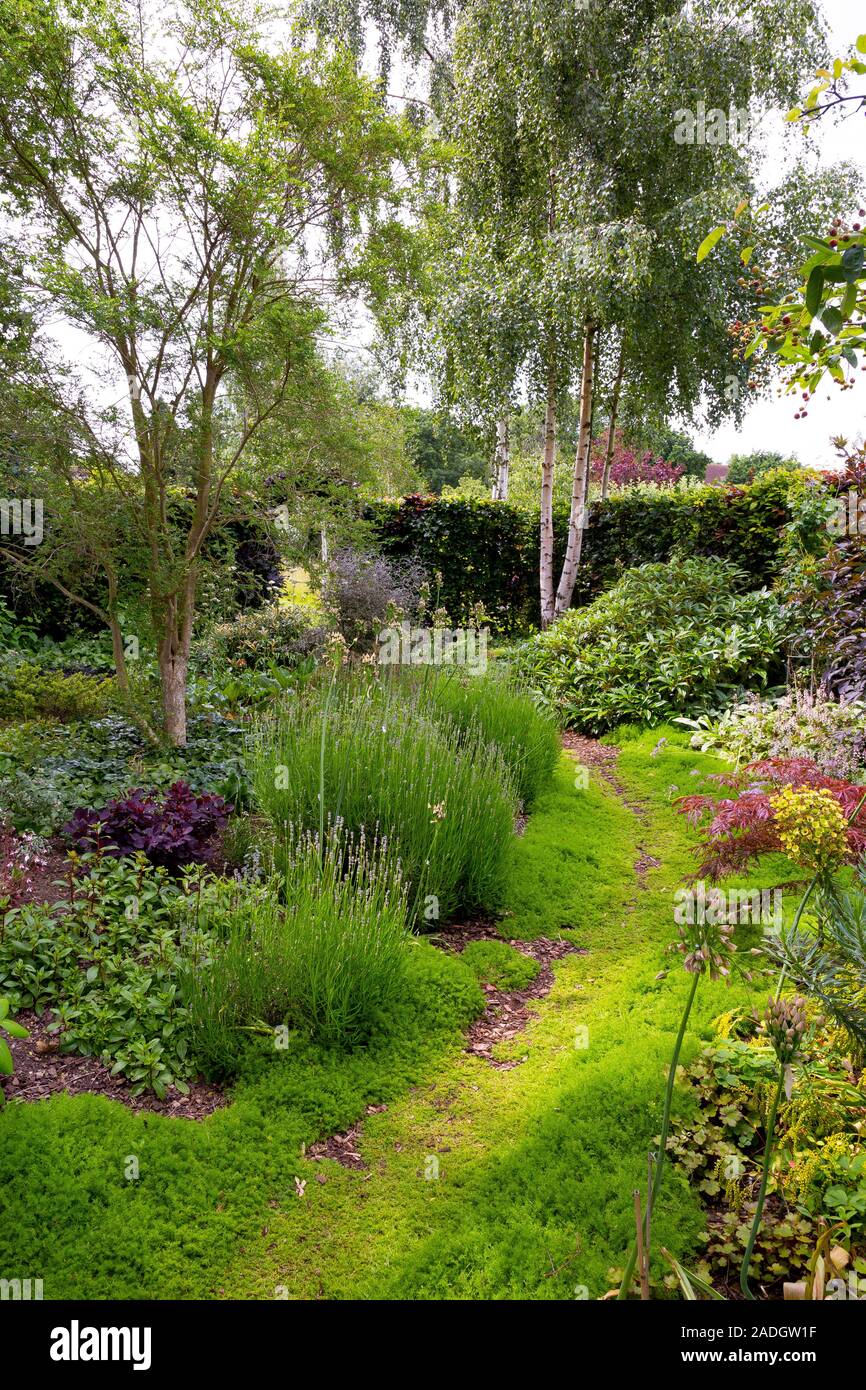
x=796, y=922
x=322, y=743
x=631, y=1262
x=762, y=1191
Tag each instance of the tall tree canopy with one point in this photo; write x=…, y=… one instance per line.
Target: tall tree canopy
x=587, y=146
x=186, y=192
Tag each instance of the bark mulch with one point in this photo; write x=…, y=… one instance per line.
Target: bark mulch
x=507, y=1012
x=343, y=1148
x=48, y=883
x=41, y=1070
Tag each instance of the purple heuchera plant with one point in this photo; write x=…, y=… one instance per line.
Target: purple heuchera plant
x=173, y=831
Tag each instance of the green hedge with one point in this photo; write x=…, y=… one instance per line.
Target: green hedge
x=484, y=551
x=488, y=551
x=241, y=548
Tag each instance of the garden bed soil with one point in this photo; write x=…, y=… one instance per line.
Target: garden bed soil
x=507, y=1012
x=42, y=1070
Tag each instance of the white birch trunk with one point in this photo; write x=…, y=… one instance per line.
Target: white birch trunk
x=548, y=465
x=503, y=461
x=614, y=411
x=579, y=491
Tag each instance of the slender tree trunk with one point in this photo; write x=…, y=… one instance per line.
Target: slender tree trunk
x=173, y=668
x=177, y=609
x=587, y=475
x=614, y=411
x=174, y=649
x=548, y=465
x=119, y=654
x=503, y=461
x=581, y=470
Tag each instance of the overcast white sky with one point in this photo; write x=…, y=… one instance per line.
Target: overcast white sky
x=770, y=424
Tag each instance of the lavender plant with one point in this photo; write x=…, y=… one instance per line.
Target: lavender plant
x=366, y=754
x=318, y=946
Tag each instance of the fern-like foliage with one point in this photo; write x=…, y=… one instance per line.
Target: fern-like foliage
x=829, y=962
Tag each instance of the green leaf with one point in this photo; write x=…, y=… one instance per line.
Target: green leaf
x=6, y=1064
x=746, y=254
x=814, y=290
x=689, y=1282
x=832, y=320
x=709, y=242
x=861, y=44
x=816, y=245
x=15, y=1030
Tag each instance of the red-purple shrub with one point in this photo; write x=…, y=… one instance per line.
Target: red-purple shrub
x=628, y=466
x=737, y=829
x=172, y=832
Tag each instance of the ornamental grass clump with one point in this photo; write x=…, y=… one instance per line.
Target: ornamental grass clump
x=361, y=753
x=491, y=708
x=829, y=962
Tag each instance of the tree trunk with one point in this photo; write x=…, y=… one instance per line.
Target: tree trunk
x=548, y=465
x=581, y=469
x=503, y=460
x=614, y=411
x=173, y=667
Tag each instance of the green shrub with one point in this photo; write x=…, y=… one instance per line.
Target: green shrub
x=281, y=634
x=484, y=551
x=666, y=639
x=105, y=962
x=744, y=468
x=13, y=1030
x=365, y=593
x=320, y=948
x=487, y=552
x=443, y=795
x=498, y=964
x=48, y=769
x=831, y=733
x=28, y=691
x=239, y=568
x=491, y=707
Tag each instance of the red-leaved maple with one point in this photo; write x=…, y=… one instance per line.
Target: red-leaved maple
x=737, y=829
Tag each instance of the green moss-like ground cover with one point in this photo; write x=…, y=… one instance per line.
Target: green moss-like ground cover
x=479, y=1182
